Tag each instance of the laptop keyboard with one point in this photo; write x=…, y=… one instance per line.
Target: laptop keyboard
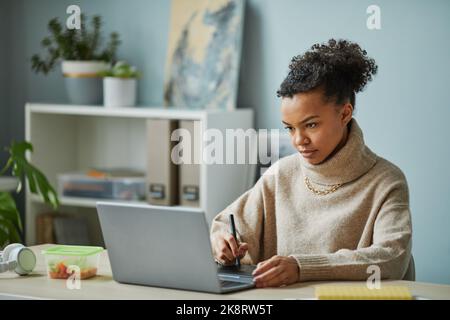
x=226, y=284
x=243, y=275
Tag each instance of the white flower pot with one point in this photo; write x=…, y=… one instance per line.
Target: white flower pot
x=119, y=92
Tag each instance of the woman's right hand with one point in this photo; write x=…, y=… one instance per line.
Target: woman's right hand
x=227, y=250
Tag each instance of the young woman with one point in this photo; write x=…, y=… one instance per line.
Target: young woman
x=335, y=208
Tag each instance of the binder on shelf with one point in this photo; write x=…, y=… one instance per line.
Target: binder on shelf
x=189, y=187
x=54, y=227
x=71, y=230
x=162, y=172
x=45, y=232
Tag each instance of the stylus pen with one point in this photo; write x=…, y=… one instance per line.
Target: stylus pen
x=233, y=232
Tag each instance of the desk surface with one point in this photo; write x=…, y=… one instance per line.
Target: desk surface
x=38, y=285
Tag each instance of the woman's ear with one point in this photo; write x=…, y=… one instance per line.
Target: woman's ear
x=347, y=113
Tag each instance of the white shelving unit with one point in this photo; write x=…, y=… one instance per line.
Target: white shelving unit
x=69, y=138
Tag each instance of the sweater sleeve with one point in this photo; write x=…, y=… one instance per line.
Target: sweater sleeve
x=390, y=249
x=252, y=212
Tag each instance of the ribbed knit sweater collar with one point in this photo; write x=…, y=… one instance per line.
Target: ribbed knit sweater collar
x=352, y=161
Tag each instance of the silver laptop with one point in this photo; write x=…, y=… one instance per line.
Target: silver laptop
x=165, y=247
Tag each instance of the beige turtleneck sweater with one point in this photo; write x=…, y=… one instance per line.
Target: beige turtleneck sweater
x=335, y=236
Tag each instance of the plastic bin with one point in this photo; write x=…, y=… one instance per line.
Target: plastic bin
x=61, y=259
x=118, y=188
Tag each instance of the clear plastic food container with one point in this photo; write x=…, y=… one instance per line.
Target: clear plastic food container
x=63, y=261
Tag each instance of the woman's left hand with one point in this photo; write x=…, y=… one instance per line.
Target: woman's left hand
x=276, y=271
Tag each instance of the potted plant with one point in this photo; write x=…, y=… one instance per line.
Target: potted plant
x=120, y=85
x=81, y=58
x=10, y=222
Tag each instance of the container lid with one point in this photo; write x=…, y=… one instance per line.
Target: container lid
x=63, y=250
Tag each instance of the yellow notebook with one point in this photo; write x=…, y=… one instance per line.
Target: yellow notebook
x=362, y=293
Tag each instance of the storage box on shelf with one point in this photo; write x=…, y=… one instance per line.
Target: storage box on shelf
x=68, y=138
x=117, y=188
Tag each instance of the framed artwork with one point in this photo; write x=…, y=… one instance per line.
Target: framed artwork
x=204, y=53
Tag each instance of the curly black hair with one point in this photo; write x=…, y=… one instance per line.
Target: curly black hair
x=341, y=67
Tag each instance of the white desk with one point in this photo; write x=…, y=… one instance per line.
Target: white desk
x=38, y=285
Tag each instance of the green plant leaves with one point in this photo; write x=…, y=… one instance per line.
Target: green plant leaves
x=8, y=209
x=121, y=70
x=10, y=224
x=11, y=231
x=21, y=168
x=4, y=236
x=71, y=44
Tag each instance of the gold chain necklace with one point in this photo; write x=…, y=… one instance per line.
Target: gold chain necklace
x=332, y=189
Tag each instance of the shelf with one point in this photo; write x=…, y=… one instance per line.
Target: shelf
x=72, y=138
x=130, y=112
x=90, y=202
x=83, y=202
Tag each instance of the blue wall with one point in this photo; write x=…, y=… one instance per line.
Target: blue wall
x=403, y=112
